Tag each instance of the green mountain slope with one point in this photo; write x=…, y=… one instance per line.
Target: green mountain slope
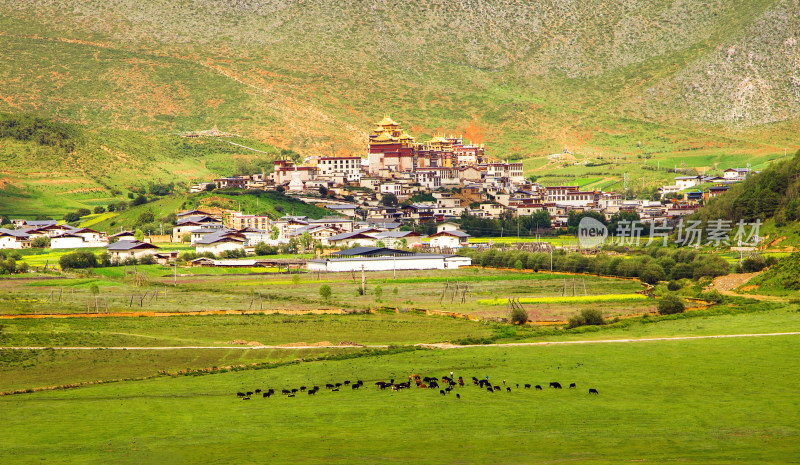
x=691, y=83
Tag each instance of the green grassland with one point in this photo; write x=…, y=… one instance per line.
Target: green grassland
x=201, y=289
x=731, y=400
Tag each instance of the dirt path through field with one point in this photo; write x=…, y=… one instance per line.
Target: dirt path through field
x=442, y=345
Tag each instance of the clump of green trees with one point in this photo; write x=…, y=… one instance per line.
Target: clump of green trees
x=650, y=266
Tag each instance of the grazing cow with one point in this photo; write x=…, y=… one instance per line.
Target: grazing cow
x=294, y=391
x=240, y=394
x=346, y=382
x=497, y=388
x=504, y=382
x=249, y=393
x=572, y=385
x=338, y=385
x=555, y=385
x=266, y=394
x=285, y=391
x=355, y=386
x=538, y=388
x=329, y=386
x=441, y=391
x=448, y=389
x=245, y=398
x=490, y=389
x=527, y=386
x=508, y=389
x=257, y=391
x=458, y=396
x=290, y=395
x=335, y=390
x=517, y=385
x=433, y=384
x=311, y=392
x=593, y=391
x=302, y=388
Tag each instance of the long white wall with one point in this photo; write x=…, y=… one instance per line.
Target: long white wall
x=434, y=262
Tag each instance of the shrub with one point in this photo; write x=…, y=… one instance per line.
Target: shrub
x=652, y=274
x=586, y=317
x=78, y=260
x=146, y=217
x=518, y=265
x=713, y=296
x=186, y=238
x=325, y=291
x=674, y=286
x=264, y=249
x=147, y=260
x=94, y=289
x=99, y=209
x=670, y=304
x=378, y=292
x=71, y=217
x=296, y=279
x=41, y=242
x=359, y=290
x=139, y=200
x=518, y=316
x=83, y=212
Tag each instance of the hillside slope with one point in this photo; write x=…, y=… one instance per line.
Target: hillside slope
x=693, y=83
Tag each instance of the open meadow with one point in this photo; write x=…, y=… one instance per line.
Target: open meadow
x=117, y=388
x=699, y=401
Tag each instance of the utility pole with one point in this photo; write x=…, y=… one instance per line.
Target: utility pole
x=175, y=284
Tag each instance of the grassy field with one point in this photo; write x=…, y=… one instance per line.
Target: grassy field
x=201, y=289
x=732, y=400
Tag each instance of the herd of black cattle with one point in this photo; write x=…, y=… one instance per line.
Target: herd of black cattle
x=448, y=385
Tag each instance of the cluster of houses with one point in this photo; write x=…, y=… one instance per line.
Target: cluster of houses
x=61, y=236
x=459, y=177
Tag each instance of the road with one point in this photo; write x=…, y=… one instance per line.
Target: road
x=442, y=345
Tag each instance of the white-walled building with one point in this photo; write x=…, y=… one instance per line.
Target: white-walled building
x=384, y=259
x=122, y=250
x=221, y=241
x=350, y=167
x=13, y=239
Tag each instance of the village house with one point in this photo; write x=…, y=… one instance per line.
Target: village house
x=220, y=241
x=399, y=238
x=191, y=223
x=13, y=239
x=448, y=236
x=122, y=250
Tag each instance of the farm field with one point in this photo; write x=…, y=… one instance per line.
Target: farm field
x=731, y=400
x=225, y=289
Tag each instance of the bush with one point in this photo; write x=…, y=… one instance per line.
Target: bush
x=41, y=242
x=78, y=260
x=145, y=217
x=753, y=264
x=139, y=200
x=147, y=260
x=378, y=292
x=674, y=286
x=359, y=290
x=652, y=274
x=83, y=212
x=94, y=289
x=99, y=209
x=670, y=304
x=264, y=249
x=71, y=217
x=186, y=238
x=325, y=291
x=587, y=317
x=713, y=296
x=518, y=316
x=518, y=265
